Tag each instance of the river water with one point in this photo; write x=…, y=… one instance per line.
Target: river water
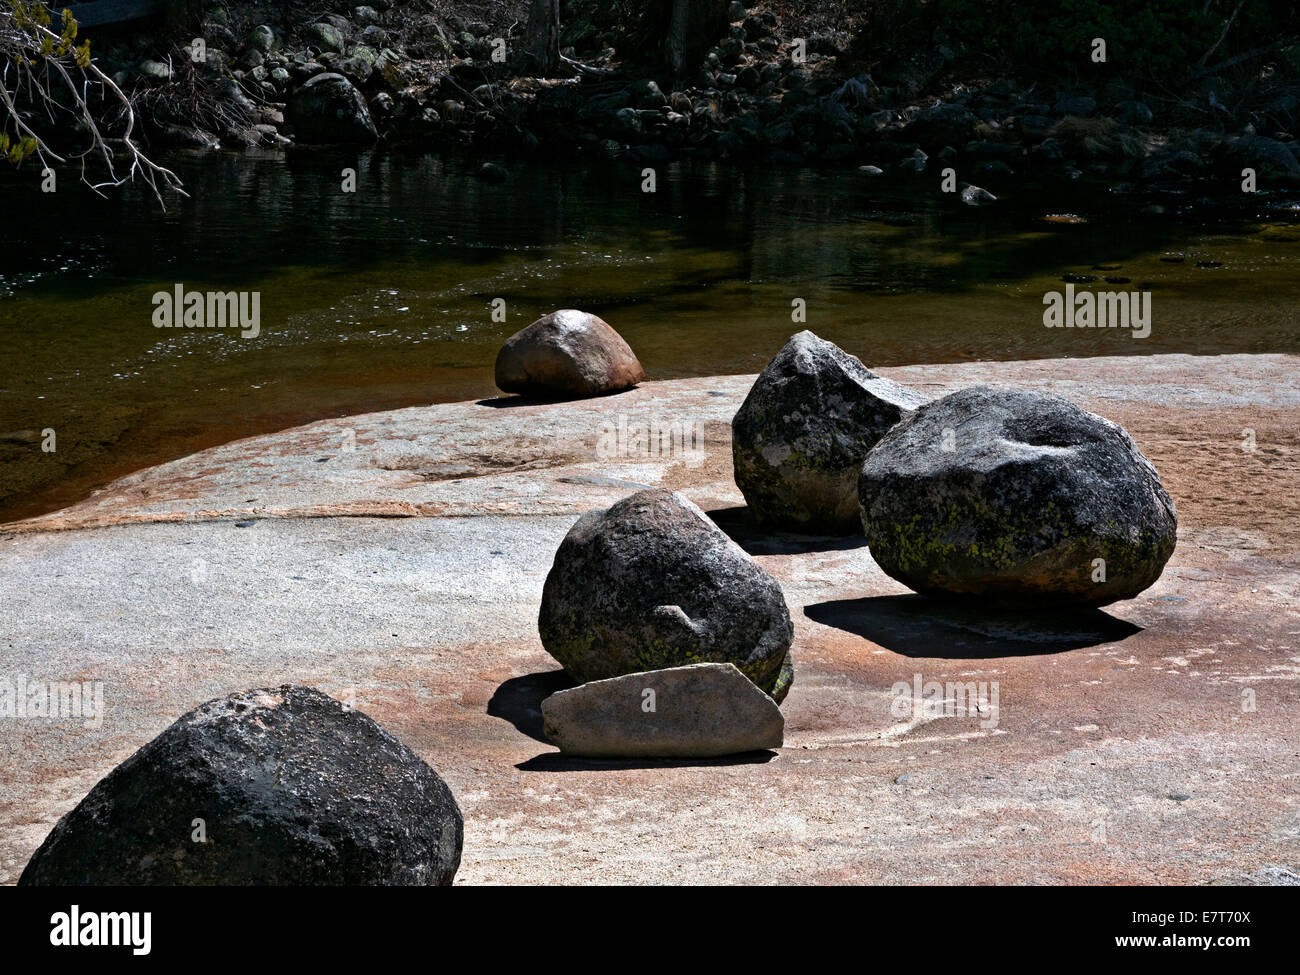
x=383, y=297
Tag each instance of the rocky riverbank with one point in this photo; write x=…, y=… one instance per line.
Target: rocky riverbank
x=437, y=79
x=396, y=560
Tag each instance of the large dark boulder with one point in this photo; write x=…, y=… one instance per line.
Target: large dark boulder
x=652, y=583
x=291, y=788
x=567, y=353
x=329, y=109
x=799, y=439
x=1013, y=496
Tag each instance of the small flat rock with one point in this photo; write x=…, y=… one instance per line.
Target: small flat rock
x=697, y=711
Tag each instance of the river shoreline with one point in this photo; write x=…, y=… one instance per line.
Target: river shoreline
x=775, y=88
x=384, y=298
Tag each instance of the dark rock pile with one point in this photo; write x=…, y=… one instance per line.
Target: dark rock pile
x=675, y=630
x=653, y=583
x=761, y=92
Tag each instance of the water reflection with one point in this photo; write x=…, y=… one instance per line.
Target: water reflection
x=381, y=297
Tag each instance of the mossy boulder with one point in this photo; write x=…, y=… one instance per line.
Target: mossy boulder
x=799, y=439
x=652, y=583
x=325, y=37
x=1018, y=498
x=262, y=38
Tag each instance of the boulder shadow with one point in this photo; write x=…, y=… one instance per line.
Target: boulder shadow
x=559, y=762
x=511, y=400
x=519, y=700
x=918, y=626
x=740, y=525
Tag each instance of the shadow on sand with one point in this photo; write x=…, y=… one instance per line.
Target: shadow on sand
x=917, y=626
x=519, y=700
x=511, y=401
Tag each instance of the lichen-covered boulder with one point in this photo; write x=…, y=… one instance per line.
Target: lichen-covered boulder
x=567, y=353
x=653, y=583
x=274, y=786
x=1015, y=497
x=799, y=439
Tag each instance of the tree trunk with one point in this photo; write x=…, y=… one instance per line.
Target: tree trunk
x=544, y=35
x=692, y=29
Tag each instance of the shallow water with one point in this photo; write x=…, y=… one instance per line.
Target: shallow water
x=382, y=298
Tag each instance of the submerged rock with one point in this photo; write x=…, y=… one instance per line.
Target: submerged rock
x=697, y=711
x=799, y=439
x=567, y=353
x=1015, y=496
x=274, y=786
x=653, y=583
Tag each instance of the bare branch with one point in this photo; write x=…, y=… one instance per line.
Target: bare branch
x=55, y=78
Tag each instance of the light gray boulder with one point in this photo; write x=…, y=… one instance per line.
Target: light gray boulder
x=697, y=711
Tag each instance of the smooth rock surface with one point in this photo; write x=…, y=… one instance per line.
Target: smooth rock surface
x=567, y=353
x=696, y=711
x=291, y=787
x=445, y=519
x=799, y=439
x=653, y=583
x=1015, y=496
